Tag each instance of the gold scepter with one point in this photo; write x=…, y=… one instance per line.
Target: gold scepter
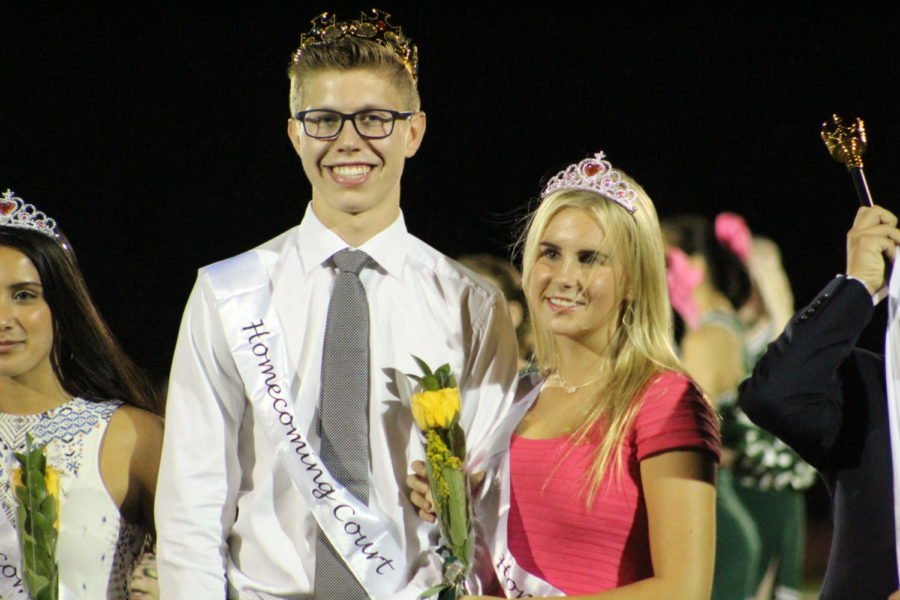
x=847, y=144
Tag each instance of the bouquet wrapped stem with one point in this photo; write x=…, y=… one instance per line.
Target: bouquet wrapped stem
x=436, y=411
x=37, y=492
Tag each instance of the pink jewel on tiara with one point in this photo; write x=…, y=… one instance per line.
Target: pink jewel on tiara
x=14, y=212
x=594, y=175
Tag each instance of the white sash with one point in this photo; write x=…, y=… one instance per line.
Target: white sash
x=892, y=366
x=11, y=584
x=256, y=341
x=515, y=581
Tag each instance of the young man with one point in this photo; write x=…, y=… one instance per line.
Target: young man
x=827, y=399
x=288, y=439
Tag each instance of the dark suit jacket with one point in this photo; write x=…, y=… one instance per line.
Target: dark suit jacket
x=826, y=399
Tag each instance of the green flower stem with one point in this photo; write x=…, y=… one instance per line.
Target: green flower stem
x=37, y=514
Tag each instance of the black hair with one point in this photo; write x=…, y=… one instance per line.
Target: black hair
x=86, y=358
x=695, y=234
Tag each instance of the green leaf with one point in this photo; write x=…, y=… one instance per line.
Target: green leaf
x=43, y=563
x=458, y=513
x=448, y=594
x=41, y=523
x=22, y=496
x=35, y=460
x=35, y=581
x=433, y=590
x=36, y=494
x=422, y=365
x=456, y=441
x=443, y=375
x=48, y=505
x=430, y=383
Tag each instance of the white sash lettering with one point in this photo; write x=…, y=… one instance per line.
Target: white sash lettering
x=257, y=344
x=11, y=584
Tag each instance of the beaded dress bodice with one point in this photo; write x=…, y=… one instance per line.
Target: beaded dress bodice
x=97, y=548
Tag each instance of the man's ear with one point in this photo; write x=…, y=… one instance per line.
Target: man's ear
x=294, y=131
x=416, y=133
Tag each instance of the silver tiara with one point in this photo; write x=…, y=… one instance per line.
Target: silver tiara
x=594, y=175
x=15, y=212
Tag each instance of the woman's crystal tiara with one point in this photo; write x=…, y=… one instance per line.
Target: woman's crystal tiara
x=594, y=175
x=14, y=212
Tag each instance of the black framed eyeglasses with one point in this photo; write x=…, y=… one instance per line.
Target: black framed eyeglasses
x=372, y=123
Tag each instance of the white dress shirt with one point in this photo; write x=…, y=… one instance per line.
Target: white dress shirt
x=228, y=515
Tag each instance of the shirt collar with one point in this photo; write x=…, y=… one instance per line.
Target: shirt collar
x=316, y=244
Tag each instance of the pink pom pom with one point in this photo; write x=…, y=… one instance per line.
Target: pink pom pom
x=682, y=278
x=733, y=233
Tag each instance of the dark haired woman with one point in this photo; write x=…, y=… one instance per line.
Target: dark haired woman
x=65, y=381
x=708, y=283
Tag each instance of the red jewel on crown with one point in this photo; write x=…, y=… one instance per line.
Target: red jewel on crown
x=374, y=25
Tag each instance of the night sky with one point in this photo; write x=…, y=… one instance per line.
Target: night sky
x=156, y=136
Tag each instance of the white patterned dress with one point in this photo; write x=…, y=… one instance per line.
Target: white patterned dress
x=97, y=549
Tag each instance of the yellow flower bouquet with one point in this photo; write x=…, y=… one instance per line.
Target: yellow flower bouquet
x=436, y=411
x=37, y=491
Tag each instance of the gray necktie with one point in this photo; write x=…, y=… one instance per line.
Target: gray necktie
x=344, y=411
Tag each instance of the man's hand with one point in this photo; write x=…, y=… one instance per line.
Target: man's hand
x=872, y=239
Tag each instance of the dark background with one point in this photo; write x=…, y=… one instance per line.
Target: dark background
x=156, y=135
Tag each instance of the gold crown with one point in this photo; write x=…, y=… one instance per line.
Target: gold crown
x=372, y=26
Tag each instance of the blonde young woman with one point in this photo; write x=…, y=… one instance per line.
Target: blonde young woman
x=611, y=471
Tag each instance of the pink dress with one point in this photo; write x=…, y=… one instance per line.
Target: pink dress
x=579, y=550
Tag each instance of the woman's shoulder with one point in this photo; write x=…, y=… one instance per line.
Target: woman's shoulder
x=670, y=391
x=674, y=414
x=669, y=383
x=135, y=429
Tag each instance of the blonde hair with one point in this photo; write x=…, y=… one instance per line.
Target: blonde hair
x=641, y=345
x=347, y=54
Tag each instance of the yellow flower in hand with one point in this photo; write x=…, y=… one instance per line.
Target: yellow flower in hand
x=437, y=408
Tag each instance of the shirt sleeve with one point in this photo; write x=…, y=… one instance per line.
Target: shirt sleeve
x=674, y=416
x=488, y=384
x=199, y=472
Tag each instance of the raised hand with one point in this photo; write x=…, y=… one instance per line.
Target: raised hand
x=872, y=239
